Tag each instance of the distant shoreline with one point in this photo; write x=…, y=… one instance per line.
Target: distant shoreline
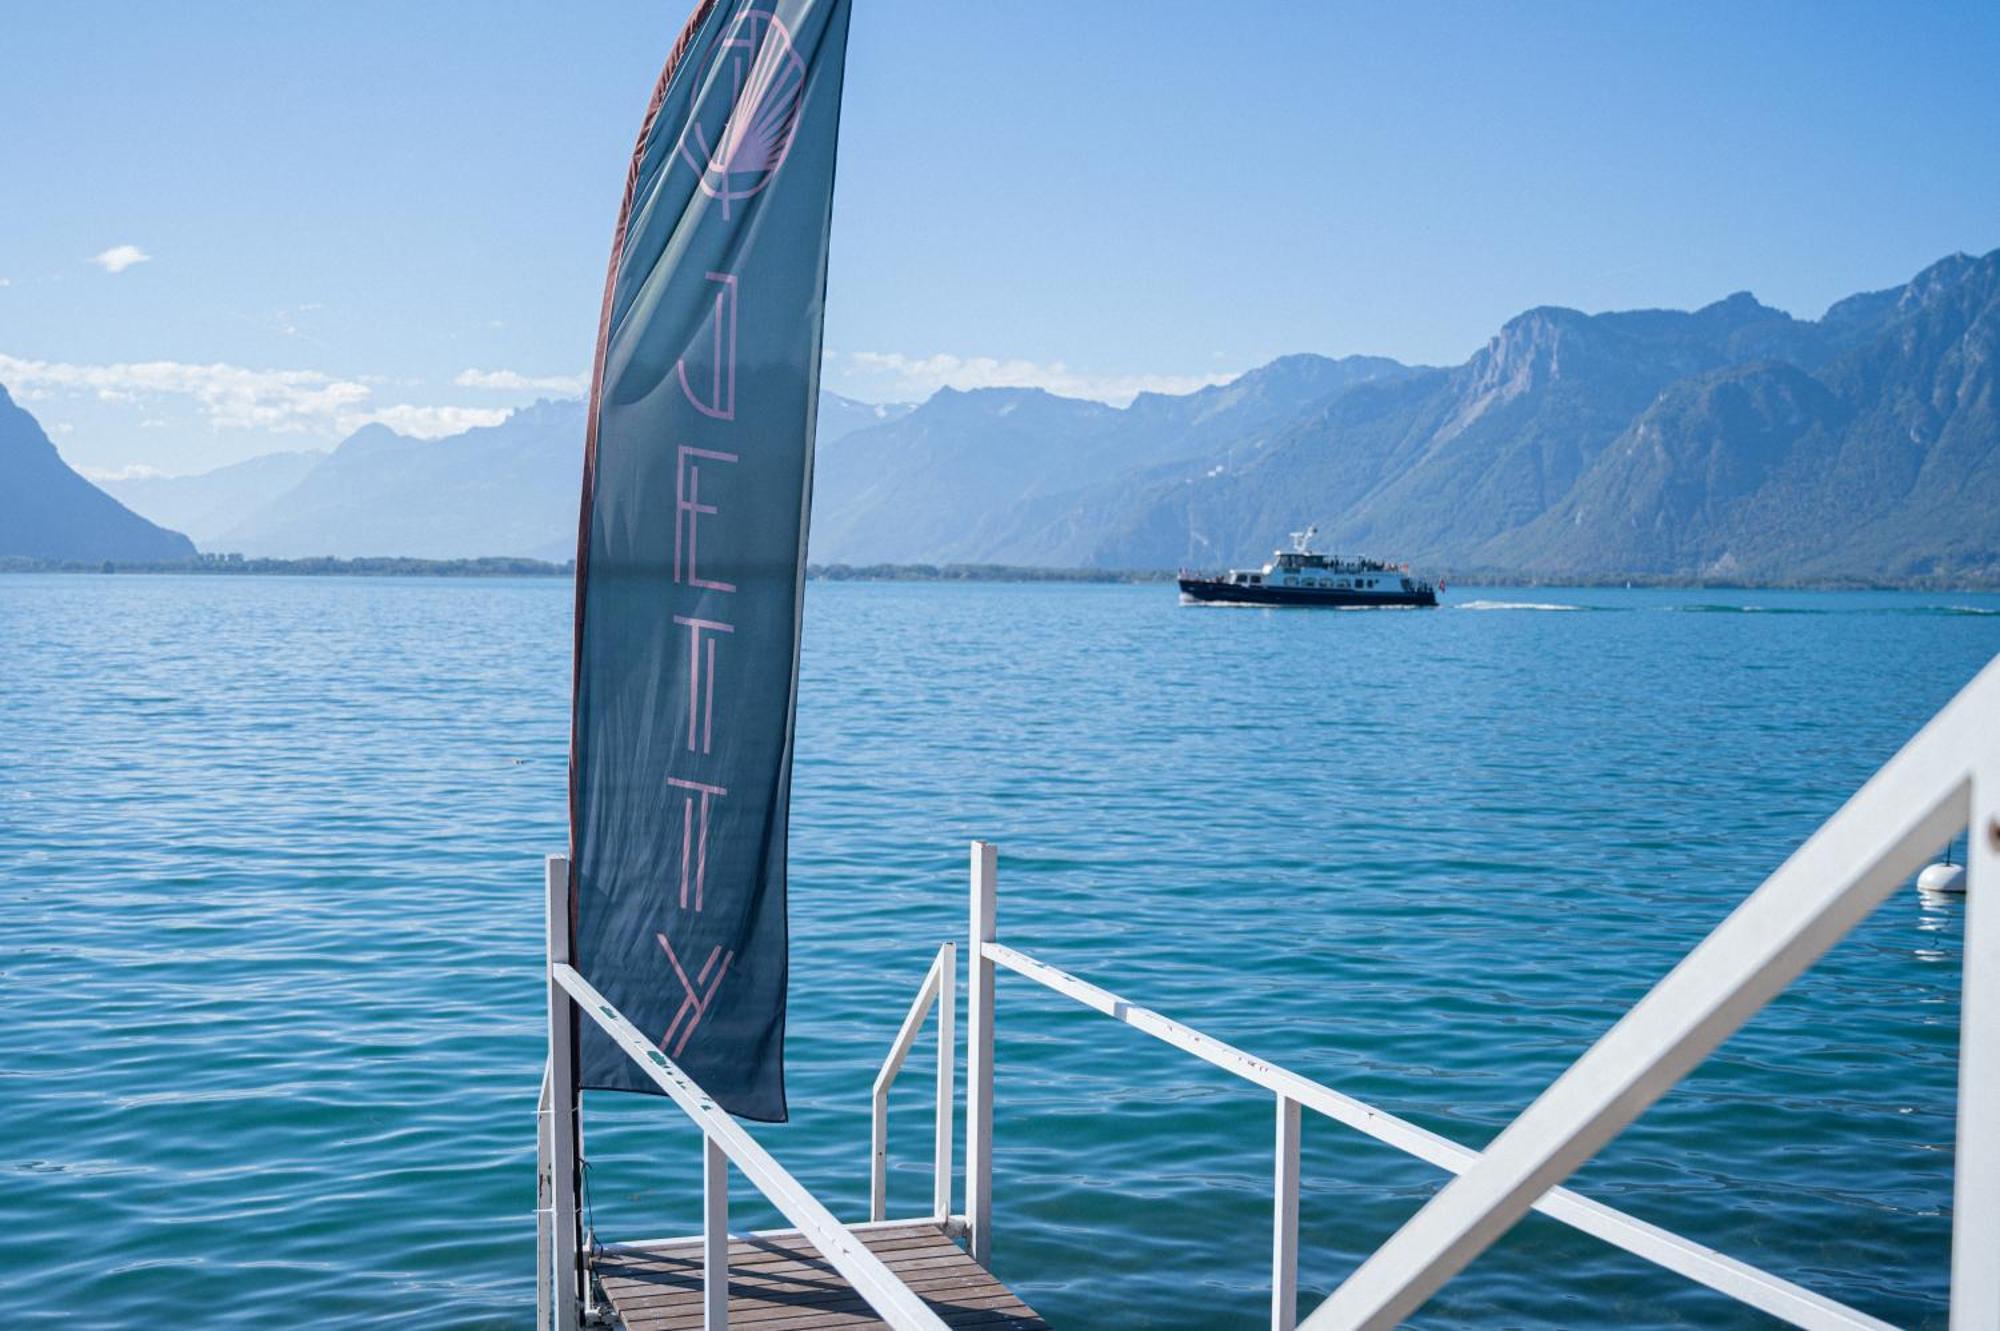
x=235, y=566
x=503, y=567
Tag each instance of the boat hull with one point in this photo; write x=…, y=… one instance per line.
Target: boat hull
x=1215, y=591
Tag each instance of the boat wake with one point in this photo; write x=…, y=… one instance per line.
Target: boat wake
x=1513, y=605
x=1724, y=608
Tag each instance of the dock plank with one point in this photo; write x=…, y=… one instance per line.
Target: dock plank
x=779, y=1282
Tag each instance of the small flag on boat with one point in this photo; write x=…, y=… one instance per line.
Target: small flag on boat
x=690, y=565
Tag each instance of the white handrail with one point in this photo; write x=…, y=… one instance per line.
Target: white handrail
x=891, y=1299
x=939, y=988
x=1760, y=1289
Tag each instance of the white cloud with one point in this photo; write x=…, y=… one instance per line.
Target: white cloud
x=429, y=422
x=120, y=257
x=895, y=375
x=232, y=397
x=509, y=380
x=6, y=281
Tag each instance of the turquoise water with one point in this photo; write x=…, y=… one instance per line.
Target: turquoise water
x=270, y=876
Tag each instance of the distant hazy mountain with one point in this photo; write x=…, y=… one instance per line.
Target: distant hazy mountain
x=1010, y=475
x=48, y=511
x=209, y=503
x=506, y=489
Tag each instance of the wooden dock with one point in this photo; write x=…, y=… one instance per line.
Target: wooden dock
x=779, y=1282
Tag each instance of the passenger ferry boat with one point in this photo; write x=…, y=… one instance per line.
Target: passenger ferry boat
x=1302, y=576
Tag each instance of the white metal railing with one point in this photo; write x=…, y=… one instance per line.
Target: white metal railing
x=939, y=989
x=725, y=1142
x=1945, y=779
x=1294, y=1092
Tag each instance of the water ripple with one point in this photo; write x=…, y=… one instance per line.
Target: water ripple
x=269, y=860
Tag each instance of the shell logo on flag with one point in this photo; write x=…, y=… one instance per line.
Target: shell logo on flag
x=738, y=148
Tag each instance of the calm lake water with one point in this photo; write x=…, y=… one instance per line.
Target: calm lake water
x=270, y=876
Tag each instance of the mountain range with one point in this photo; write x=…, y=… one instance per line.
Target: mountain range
x=508, y=488
x=1734, y=441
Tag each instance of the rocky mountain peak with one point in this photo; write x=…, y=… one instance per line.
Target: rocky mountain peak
x=1526, y=353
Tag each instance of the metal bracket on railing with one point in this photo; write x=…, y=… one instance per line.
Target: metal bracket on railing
x=940, y=988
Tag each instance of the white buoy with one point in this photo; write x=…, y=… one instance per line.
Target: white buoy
x=1942, y=878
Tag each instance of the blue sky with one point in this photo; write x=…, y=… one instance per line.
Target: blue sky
x=398, y=211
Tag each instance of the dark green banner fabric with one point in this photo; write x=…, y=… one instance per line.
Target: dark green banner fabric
x=691, y=556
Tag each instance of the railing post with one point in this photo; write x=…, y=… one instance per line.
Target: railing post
x=878, y=1164
x=1285, y=1220
x=714, y=1236
x=1975, y=1225
x=565, y=1273
x=947, y=1038
x=979, y=1056
x=544, y=1213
